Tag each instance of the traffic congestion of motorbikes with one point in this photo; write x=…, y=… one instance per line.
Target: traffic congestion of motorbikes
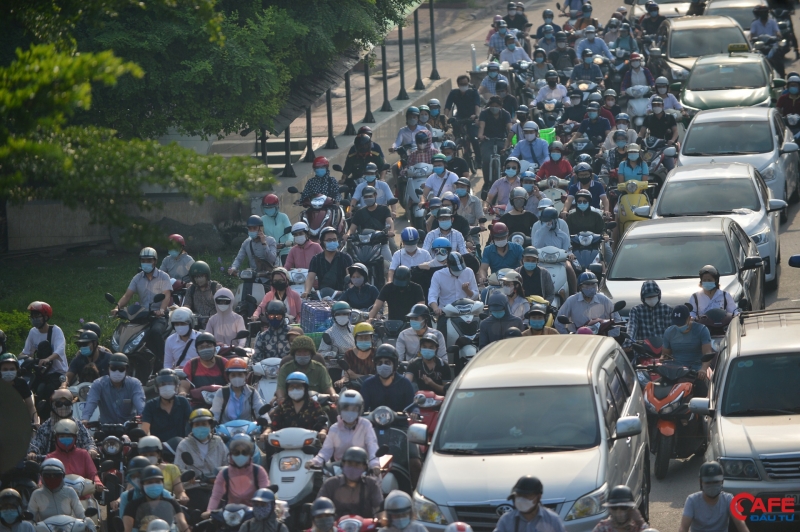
x=315, y=392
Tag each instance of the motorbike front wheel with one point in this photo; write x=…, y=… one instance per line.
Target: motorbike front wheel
x=663, y=455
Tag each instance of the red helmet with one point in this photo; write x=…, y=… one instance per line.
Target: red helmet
x=235, y=364
x=584, y=330
x=635, y=57
x=272, y=199
x=178, y=239
x=499, y=230
x=320, y=162
x=42, y=308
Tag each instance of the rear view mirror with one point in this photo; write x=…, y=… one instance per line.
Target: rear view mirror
x=676, y=86
x=418, y=433
x=343, y=364
x=628, y=426
x=292, y=190
x=241, y=335
x=643, y=211
x=159, y=298
x=778, y=83
x=287, y=230
x=90, y=511
x=261, y=411
x=789, y=147
x=670, y=152
x=794, y=261
x=250, y=299
x=558, y=6
x=382, y=451
x=708, y=357
x=564, y=320
x=751, y=263
x=776, y=205
x=186, y=476
x=327, y=338
x=611, y=225
x=337, y=167
x=700, y=405
x=187, y=458
x=110, y=299
x=344, y=189
x=619, y=305
x=392, y=201
x=596, y=269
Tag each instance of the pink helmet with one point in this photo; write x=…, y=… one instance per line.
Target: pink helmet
x=584, y=330
x=498, y=18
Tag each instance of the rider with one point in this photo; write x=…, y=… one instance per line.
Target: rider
x=376, y=217
x=710, y=508
x=584, y=218
x=411, y=255
x=637, y=74
x=685, y=342
x=303, y=349
x=239, y=481
x=54, y=498
x=622, y=121
x=551, y=234
x=789, y=102
x=591, y=42
x=151, y=448
x=180, y=345
x=594, y=126
x=119, y=396
x=166, y=415
x=359, y=161
x=763, y=23
x=225, y=324
x=261, y=250
x=519, y=216
x=495, y=326
x=711, y=296
x=276, y=223
x=353, y=492
x=264, y=517
x=303, y=250
x=441, y=180
x=330, y=266
x=408, y=341
x=350, y=430
x=207, y=450
x=382, y=188
x=669, y=99
x=587, y=180
x=89, y=352
x=531, y=148
x=322, y=182
x=9, y=369
x=528, y=507
x=323, y=516
x=586, y=307
x=76, y=461
x=387, y=387
x=154, y=503
x=511, y=287
x=427, y=370
x=400, y=513
x=497, y=43
x=509, y=101
x=515, y=19
x=493, y=127
x=467, y=102
x=11, y=512
x=445, y=230
x=403, y=294
x=536, y=318
x=575, y=112
x=547, y=41
x=448, y=285
x=237, y=400
x=651, y=318
x=501, y=253
x=500, y=191
x=362, y=294
x=455, y=164
x=44, y=441
x=366, y=130
x=586, y=20
x=272, y=341
x=471, y=206
x=586, y=70
x=623, y=515
x=540, y=66
x=407, y=133
x=513, y=53
x=208, y=368
x=528, y=179
x=556, y=164
x=554, y=90
x=459, y=223
x=535, y=281
x=177, y=262
x=547, y=18
x=563, y=57
x=299, y=409
x=633, y=168
x=652, y=20
x=200, y=292
x=280, y=291
x=42, y=331
x=625, y=41
x=659, y=124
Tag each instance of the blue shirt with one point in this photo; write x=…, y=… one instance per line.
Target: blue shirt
x=496, y=262
x=490, y=83
x=758, y=28
x=581, y=72
x=536, y=152
x=598, y=128
x=629, y=173
x=598, y=47
x=596, y=188
x=397, y=396
x=687, y=349
x=117, y=405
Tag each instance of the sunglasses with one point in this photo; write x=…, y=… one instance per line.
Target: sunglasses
x=118, y=368
x=62, y=404
x=223, y=301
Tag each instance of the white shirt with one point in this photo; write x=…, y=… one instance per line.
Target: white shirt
x=514, y=57
x=406, y=136
x=446, y=287
x=173, y=349
x=638, y=77
x=562, y=226
x=546, y=93
x=455, y=237
x=408, y=345
x=57, y=341
x=383, y=189
x=402, y=258
x=434, y=182
x=670, y=102
x=720, y=299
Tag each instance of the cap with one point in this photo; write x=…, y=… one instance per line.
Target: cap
x=679, y=315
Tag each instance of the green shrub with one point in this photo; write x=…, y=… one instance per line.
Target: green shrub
x=16, y=326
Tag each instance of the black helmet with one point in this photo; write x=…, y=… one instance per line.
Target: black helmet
x=419, y=311
x=711, y=472
x=323, y=506
x=386, y=351
x=370, y=191
x=150, y=472
x=708, y=268
x=527, y=485
x=402, y=275
x=355, y=454
x=421, y=137
x=547, y=13
x=276, y=307
x=501, y=85
x=88, y=326
x=620, y=496
x=118, y=358
x=166, y=376
x=205, y=338
x=551, y=74
x=444, y=211
x=456, y=262
x=657, y=100
x=561, y=36
x=548, y=215
x=362, y=140
x=137, y=464
x=513, y=332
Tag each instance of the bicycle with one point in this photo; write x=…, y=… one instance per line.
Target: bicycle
x=463, y=142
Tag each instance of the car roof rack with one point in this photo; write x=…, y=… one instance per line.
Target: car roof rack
x=766, y=312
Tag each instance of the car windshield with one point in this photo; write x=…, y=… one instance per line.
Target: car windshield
x=639, y=259
x=702, y=196
x=540, y=418
x=704, y=41
x=728, y=138
x=763, y=385
x=742, y=15
x=709, y=77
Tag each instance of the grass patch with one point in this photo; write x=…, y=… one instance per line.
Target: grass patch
x=75, y=284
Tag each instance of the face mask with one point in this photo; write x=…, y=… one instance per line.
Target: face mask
x=9, y=376
x=583, y=206
x=555, y=156
x=201, y=433
x=539, y=59
x=494, y=110
x=342, y=321
x=441, y=255
x=498, y=314
x=589, y=291
x=271, y=211
x=794, y=90
x=182, y=330
x=174, y=253
x=548, y=36
x=530, y=137
x=401, y=522
x=279, y=285
x=427, y=354
x=416, y=324
x=587, y=60
x=357, y=281
x=708, y=285
x=507, y=290
x=446, y=224
x=262, y=512
x=575, y=101
x=66, y=441
x=439, y=170
x=528, y=188
x=370, y=179
x=324, y=523
x=434, y=112
x=167, y=391
x=712, y=491
x=423, y=119
x=530, y=266
x=657, y=110
x=661, y=90
x=52, y=483
x=633, y=156
x=502, y=31
x=551, y=84
x=501, y=243
x=412, y=122
x=9, y=516
x=352, y=473
x=349, y=416
x=536, y=325
x=622, y=127
x=332, y=245
x=153, y=491
x=621, y=144
x=302, y=360
x=463, y=88
x=296, y=395
x=146, y=267
x=116, y=376
x=86, y=350
x=636, y=64
x=590, y=36
x=561, y=45
x=237, y=382
x=592, y=115
x=410, y=248
x=654, y=14
x=385, y=370
x=207, y=354
x=252, y=234
x=364, y=345
x=512, y=13
x=548, y=20
x=651, y=301
x=523, y=505
x=511, y=172
x=320, y=172
x=513, y=47
x=153, y=460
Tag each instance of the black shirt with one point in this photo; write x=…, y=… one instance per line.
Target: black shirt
x=561, y=59
x=22, y=387
x=519, y=223
x=460, y=224
x=575, y=114
x=531, y=284
x=165, y=425
x=458, y=166
x=367, y=219
x=80, y=362
x=510, y=104
x=438, y=374
x=320, y=266
x=660, y=127
x=495, y=125
x=401, y=299
x=518, y=22
x=356, y=164
x=465, y=102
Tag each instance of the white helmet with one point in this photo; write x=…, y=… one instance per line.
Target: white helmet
x=66, y=426
x=149, y=444
x=661, y=80
x=182, y=315
x=53, y=464
x=351, y=398
x=398, y=502
x=299, y=226
x=530, y=125
x=544, y=203
x=148, y=253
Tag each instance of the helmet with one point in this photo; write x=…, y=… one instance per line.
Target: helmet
x=561, y=36
x=86, y=337
x=582, y=167
x=595, y=97
x=452, y=198
x=499, y=229
x=66, y=426
x=636, y=56
x=270, y=199
x=548, y=215
x=365, y=130
x=299, y=226
x=340, y=306
x=527, y=174
x=421, y=137
x=583, y=193
x=657, y=100
x=208, y=338
x=369, y=191
x=592, y=106
x=793, y=78
x=242, y=440
x=625, y=27
x=326, y=230
x=136, y=464
x=584, y=330
x=87, y=326
x=551, y=74
x=403, y=275
x=255, y=221
x=386, y=351
x=320, y=162
x=530, y=251
x=494, y=65
x=297, y=377
x=148, y=253
x=9, y=357
x=371, y=168
x=464, y=181
x=350, y=398
x=424, y=108
x=587, y=52
x=620, y=134
x=575, y=92
x=433, y=102
x=623, y=10
x=556, y=145
x=149, y=444
x=53, y=465
x=448, y=145
x=444, y=211
x=518, y=192
x=201, y=414
x=633, y=147
x=166, y=376
x=363, y=328
x=652, y=6
x=441, y=243
x=584, y=158
x=199, y=268
x=419, y=310
x=710, y=270
x=430, y=337
x=760, y=9
x=620, y=496
x=178, y=239
x=263, y=495
x=528, y=485
x=322, y=506
x=10, y=495
x=540, y=51
x=409, y=235
x=502, y=84
x=587, y=8
x=661, y=80
x=362, y=140
x=460, y=526
x=118, y=358
x=360, y=268
x=545, y=14
x=711, y=472
x=355, y=454
x=412, y=111
x=456, y=262
x=513, y=160
x=439, y=157
x=587, y=278
x=235, y=364
x=151, y=472
x=512, y=332
x=530, y=126
x=182, y=315
x=497, y=18
x=537, y=308
x=42, y=308
x=397, y=503
x=610, y=92
x=622, y=116
x=547, y=29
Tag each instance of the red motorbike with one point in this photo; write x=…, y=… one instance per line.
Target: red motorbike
x=429, y=405
x=356, y=523
x=203, y=396
x=321, y=211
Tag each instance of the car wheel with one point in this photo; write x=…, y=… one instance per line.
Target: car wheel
x=663, y=454
x=644, y=506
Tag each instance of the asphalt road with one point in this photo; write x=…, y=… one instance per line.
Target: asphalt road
x=667, y=496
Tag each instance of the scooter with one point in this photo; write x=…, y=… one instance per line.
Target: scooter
x=633, y=203
x=130, y=336
x=659, y=157
x=267, y=369
x=228, y=519
x=645, y=354
x=606, y=327
x=638, y=98
x=717, y=321
x=296, y=484
x=85, y=488
x=550, y=111
x=297, y=279
x=555, y=189
x=366, y=249
x=81, y=392
x=429, y=406
x=413, y=182
x=587, y=88
x=587, y=248
x=24, y=477
x=391, y=430
x=253, y=429
x=387, y=331
x=320, y=212
x=250, y=292
x=552, y=259
x=68, y=523
x=463, y=322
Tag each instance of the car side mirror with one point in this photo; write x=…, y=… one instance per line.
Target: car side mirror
x=643, y=211
x=776, y=205
x=110, y=299
x=619, y=305
x=701, y=406
x=418, y=433
x=789, y=147
x=292, y=190
x=337, y=167
x=751, y=263
x=794, y=261
x=670, y=152
x=778, y=83
x=627, y=426
x=676, y=86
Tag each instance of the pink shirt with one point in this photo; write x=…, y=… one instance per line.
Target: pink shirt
x=241, y=483
x=77, y=462
x=292, y=301
x=300, y=256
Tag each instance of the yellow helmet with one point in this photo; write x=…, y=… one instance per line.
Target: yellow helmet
x=537, y=299
x=201, y=414
x=363, y=328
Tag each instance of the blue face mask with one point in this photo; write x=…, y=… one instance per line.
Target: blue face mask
x=446, y=224
x=537, y=325
x=583, y=206
x=174, y=253
x=539, y=59
x=154, y=491
x=589, y=291
x=427, y=354
x=201, y=433
x=620, y=143
x=370, y=178
x=86, y=350
x=528, y=188
x=511, y=46
x=503, y=31
x=530, y=266
x=548, y=36
x=794, y=90
x=439, y=170
x=416, y=324
x=252, y=234
x=587, y=60
x=592, y=115
x=320, y=172
x=498, y=314
x=493, y=74
x=241, y=460
x=66, y=441
x=271, y=211
x=9, y=516
x=332, y=246
x=633, y=156
x=448, y=158
x=709, y=285
x=555, y=156
x=146, y=267
x=434, y=112
x=510, y=172
x=364, y=346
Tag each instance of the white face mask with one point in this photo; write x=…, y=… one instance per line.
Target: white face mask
x=507, y=290
x=349, y=416
x=237, y=382
x=167, y=391
x=9, y=376
x=662, y=90
x=622, y=127
x=342, y=320
x=300, y=240
x=223, y=308
x=296, y=395
x=530, y=137
x=116, y=376
x=153, y=459
x=501, y=243
x=182, y=330
x=651, y=301
x=523, y=505
x=410, y=248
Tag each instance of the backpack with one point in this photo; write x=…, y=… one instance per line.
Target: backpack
x=226, y=395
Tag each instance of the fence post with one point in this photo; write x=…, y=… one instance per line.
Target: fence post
x=331, y=144
x=386, y=107
x=418, y=86
x=434, y=73
x=288, y=169
x=368, y=118
x=403, y=94
x=350, y=129
x=264, y=145
x=310, y=155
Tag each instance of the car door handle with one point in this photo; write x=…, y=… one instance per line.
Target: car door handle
x=628, y=441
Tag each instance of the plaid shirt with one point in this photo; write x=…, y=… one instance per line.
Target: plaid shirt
x=498, y=41
x=490, y=83
x=648, y=322
x=422, y=156
x=635, y=524
x=44, y=442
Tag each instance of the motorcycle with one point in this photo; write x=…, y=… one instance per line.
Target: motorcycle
x=615, y=72
x=24, y=477
x=390, y=429
x=130, y=337
x=321, y=211
x=587, y=88
x=638, y=99
x=429, y=406
x=85, y=488
x=267, y=369
x=775, y=50
x=297, y=484
x=605, y=327
x=588, y=250
x=659, y=157
x=584, y=144
x=366, y=249
x=297, y=279
x=633, y=204
x=81, y=392
x=410, y=185
x=554, y=189
x=647, y=353
x=68, y=523
x=249, y=293
x=463, y=325
x=552, y=259
x=521, y=71
x=550, y=112
x=253, y=429
x=387, y=331
x=228, y=519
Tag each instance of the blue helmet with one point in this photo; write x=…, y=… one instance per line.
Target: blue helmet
x=622, y=116
x=263, y=495
x=255, y=221
x=441, y=242
x=587, y=278
x=527, y=174
x=297, y=377
x=409, y=235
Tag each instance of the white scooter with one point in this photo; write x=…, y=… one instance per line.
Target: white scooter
x=638, y=99
x=267, y=369
x=287, y=469
x=81, y=391
x=416, y=176
x=552, y=259
x=67, y=522
x=463, y=324
x=297, y=279
x=84, y=487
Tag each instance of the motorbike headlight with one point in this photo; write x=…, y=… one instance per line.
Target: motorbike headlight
x=233, y=519
x=349, y=525
x=672, y=405
x=134, y=342
x=61, y=527
x=588, y=505
x=739, y=468
x=583, y=87
x=271, y=371
x=638, y=121
x=768, y=173
x=762, y=237
x=208, y=396
x=427, y=511
x=549, y=257
x=679, y=73
x=585, y=240
x=318, y=202
x=631, y=187
x=291, y=463
x=383, y=416
x=247, y=274
x=549, y=106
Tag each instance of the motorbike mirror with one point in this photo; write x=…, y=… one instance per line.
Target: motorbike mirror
x=564, y=320
x=482, y=220
x=558, y=6
x=119, y=526
x=344, y=203
x=242, y=335
x=261, y=411
x=337, y=167
x=689, y=306
x=90, y=511
x=385, y=167
x=159, y=298
x=475, y=231
x=453, y=349
x=187, y=458
x=708, y=357
x=44, y=349
x=261, y=422
x=110, y=299
x=382, y=450
x=186, y=476
x=344, y=189
x=106, y=465
x=418, y=192
x=327, y=338
x=310, y=449
x=287, y=230
x=392, y=201
x=343, y=364
x=250, y=299
x=292, y=190
x=643, y=211
x=136, y=434
x=619, y=305
x=611, y=225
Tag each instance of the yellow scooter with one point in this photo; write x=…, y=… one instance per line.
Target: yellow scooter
x=631, y=196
